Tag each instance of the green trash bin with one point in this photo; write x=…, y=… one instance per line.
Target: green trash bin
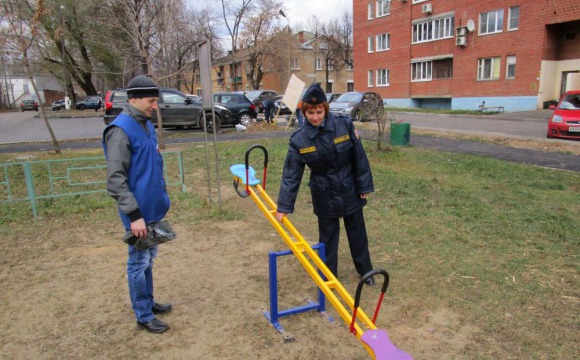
x=400, y=134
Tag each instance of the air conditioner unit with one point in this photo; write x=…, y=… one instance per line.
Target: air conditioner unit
x=427, y=9
x=461, y=41
x=461, y=31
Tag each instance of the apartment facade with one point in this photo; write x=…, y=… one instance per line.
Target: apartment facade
x=307, y=57
x=451, y=54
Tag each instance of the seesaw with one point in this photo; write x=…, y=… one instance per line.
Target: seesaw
x=375, y=341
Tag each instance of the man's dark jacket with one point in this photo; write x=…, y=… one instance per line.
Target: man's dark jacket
x=340, y=170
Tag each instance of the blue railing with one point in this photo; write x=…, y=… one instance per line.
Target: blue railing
x=30, y=181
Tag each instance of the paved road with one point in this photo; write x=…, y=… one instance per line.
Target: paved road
x=527, y=124
x=16, y=127
x=17, y=130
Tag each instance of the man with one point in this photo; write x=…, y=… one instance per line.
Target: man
x=135, y=180
x=269, y=110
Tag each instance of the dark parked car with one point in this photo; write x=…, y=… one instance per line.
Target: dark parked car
x=58, y=105
x=176, y=109
x=28, y=105
x=360, y=106
x=565, y=122
x=92, y=102
x=330, y=97
x=243, y=110
x=257, y=97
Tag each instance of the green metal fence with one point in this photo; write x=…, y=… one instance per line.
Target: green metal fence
x=30, y=181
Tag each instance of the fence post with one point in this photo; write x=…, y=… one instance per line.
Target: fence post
x=30, y=188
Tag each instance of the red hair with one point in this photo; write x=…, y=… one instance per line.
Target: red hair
x=307, y=106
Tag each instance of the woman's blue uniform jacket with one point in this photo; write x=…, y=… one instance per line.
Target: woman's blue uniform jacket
x=340, y=170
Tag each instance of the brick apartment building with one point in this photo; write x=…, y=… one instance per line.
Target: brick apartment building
x=455, y=54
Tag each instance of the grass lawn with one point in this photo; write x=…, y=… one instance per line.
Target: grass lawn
x=489, y=245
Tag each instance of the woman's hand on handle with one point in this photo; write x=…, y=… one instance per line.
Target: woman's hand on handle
x=280, y=215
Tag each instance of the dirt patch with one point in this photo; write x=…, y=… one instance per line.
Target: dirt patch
x=64, y=296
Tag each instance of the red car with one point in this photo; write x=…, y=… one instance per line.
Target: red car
x=565, y=122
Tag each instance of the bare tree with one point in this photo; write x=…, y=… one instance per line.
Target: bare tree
x=336, y=47
x=340, y=35
x=233, y=16
x=23, y=21
x=265, y=46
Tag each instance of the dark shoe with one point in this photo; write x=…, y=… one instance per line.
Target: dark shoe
x=161, y=308
x=153, y=326
x=370, y=281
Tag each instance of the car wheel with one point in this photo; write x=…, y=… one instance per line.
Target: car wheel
x=357, y=116
x=81, y=107
x=209, y=123
x=245, y=119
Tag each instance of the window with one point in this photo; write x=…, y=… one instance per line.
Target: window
x=371, y=44
x=349, y=65
x=421, y=71
x=169, y=98
x=510, y=72
x=330, y=65
x=383, y=7
x=383, y=42
x=491, y=22
x=442, y=69
x=433, y=30
x=382, y=77
x=370, y=78
x=371, y=11
x=295, y=64
x=319, y=64
x=514, y=18
x=488, y=69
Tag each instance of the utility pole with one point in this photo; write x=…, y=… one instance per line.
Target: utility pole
x=64, y=77
x=7, y=96
x=288, y=48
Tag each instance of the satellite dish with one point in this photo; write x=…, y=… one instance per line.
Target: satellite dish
x=470, y=25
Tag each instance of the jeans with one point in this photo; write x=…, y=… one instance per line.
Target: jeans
x=140, y=279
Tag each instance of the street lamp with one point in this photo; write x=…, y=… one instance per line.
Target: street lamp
x=66, y=105
x=288, y=47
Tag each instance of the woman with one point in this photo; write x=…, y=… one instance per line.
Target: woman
x=340, y=179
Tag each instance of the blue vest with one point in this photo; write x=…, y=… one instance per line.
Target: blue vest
x=145, y=174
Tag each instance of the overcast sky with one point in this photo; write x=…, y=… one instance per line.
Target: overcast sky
x=299, y=12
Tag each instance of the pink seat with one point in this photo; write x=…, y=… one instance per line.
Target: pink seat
x=384, y=349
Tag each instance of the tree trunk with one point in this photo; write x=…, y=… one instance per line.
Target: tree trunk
x=41, y=104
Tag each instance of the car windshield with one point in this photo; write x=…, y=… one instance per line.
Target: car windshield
x=349, y=97
x=570, y=102
x=253, y=94
x=120, y=96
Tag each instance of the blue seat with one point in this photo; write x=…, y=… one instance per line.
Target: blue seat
x=239, y=170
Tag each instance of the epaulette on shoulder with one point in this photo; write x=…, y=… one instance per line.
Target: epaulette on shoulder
x=296, y=132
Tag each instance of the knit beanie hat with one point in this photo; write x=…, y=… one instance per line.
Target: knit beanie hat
x=142, y=86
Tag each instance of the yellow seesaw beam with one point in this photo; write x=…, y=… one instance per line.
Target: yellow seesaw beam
x=332, y=288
